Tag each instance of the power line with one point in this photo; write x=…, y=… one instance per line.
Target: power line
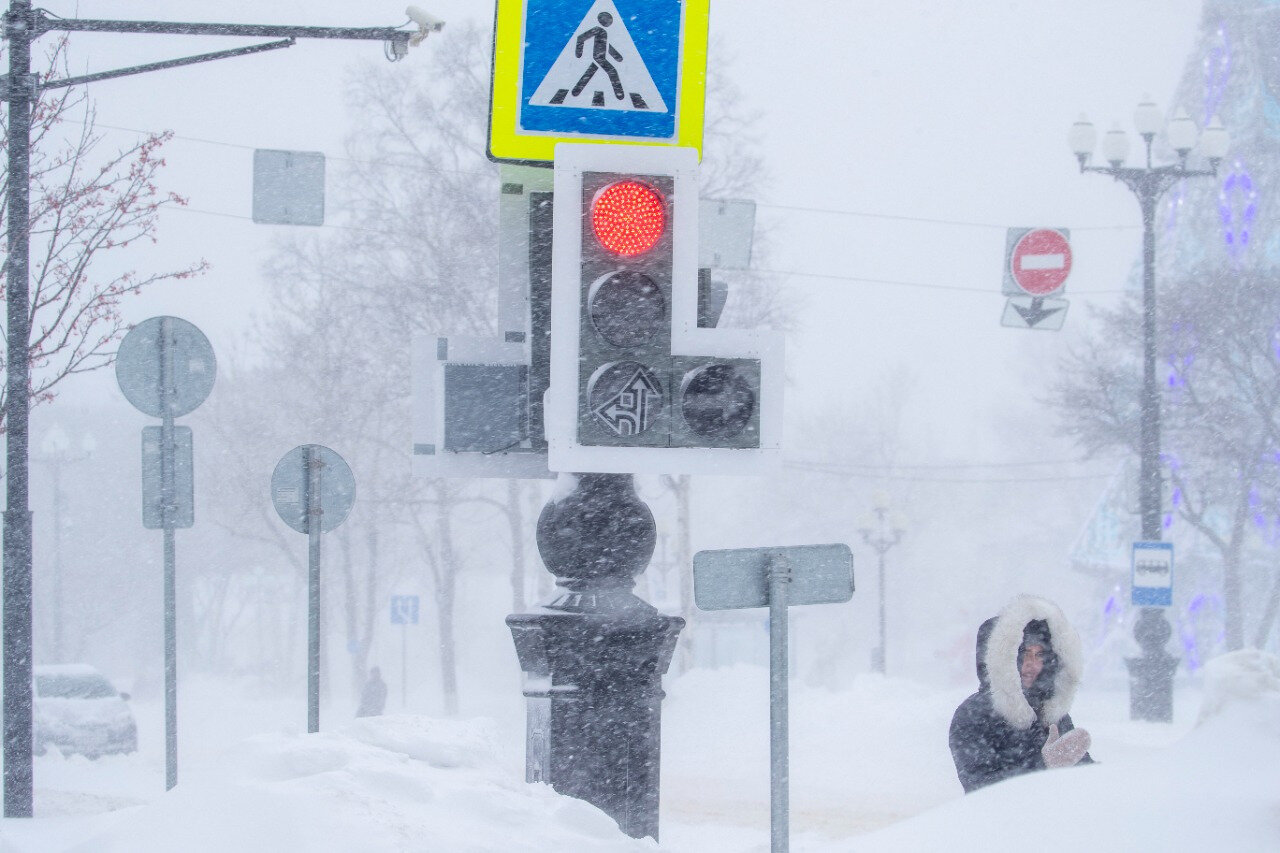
x=798, y=208
x=414, y=166
x=945, y=466
x=833, y=211
x=926, y=285
x=856, y=475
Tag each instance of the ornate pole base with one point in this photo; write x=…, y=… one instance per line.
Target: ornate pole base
x=1151, y=675
x=595, y=656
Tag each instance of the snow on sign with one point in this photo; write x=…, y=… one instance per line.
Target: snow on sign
x=623, y=71
x=1038, y=261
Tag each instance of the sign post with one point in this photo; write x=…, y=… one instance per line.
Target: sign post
x=313, y=489
x=165, y=367
x=1037, y=263
x=775, y=578
x=404, y=612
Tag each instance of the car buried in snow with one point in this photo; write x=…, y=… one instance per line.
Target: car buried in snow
x=77, y=710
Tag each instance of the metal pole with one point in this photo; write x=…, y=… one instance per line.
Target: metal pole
x=1149, y=487
x=18, y=768
x=58, y=508
x=779, y=800
x=168, y=512
x=883, y=661
x=312, y=461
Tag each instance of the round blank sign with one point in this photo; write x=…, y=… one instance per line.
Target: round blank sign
x=160, y=352
x=290, y=487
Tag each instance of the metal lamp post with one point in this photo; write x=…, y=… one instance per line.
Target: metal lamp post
x=55, y=450
x=1151, y=675
x=881, y=539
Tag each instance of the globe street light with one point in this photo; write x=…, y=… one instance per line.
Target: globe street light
x=881, y=540
x=1151, y=676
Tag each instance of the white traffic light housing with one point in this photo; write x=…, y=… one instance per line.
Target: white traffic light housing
x=636, y=385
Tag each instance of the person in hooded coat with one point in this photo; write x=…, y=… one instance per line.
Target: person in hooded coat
x=373, y=698
x=1029, y=666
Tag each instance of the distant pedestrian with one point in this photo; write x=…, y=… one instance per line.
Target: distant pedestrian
x=1029, y=665
x=373, y=698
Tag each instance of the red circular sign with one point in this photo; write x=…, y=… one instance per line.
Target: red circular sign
x=1041, y=261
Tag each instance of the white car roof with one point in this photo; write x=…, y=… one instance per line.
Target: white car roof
x=65, y=669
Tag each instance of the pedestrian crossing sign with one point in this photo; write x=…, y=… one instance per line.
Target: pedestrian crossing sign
x=612, y=71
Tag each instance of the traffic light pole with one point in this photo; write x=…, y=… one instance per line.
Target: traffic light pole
x=21, y=88
x=595, y=655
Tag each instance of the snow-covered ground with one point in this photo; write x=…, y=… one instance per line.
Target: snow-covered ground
x=871, y=772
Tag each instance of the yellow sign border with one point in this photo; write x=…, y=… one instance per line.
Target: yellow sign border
x=508, y=144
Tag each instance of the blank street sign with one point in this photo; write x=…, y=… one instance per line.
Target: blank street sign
x=738, y=578
x=184, y=501
x=288, y=187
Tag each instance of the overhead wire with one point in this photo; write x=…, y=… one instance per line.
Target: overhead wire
x=767, y=205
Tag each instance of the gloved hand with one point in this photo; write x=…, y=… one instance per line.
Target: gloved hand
x=1065, y=750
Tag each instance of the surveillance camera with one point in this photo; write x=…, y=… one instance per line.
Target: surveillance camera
x=427, y=23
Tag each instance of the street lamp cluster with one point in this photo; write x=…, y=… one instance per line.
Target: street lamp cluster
x=1151, y=676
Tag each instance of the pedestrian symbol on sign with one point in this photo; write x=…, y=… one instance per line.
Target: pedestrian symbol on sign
x=614, y=76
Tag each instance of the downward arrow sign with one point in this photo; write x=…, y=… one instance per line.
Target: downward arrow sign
x=1035, y=313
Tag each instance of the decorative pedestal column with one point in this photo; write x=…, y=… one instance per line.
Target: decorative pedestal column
x=1151, y=676
x=596, y=654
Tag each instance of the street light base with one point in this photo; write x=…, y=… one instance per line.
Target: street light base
x=1151, y=675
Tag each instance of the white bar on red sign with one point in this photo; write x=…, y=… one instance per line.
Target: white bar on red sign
x=1043, y=262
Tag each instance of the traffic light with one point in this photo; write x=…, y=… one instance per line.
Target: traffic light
x=636, y=385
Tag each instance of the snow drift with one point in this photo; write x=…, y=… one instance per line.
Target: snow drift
x=1217, y=789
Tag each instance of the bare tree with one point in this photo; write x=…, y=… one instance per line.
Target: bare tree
x=412, y=253
x=86, y=202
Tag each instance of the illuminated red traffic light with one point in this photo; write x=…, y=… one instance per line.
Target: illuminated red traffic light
x=628, y=217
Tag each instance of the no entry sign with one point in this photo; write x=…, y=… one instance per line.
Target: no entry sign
x=1039, y=261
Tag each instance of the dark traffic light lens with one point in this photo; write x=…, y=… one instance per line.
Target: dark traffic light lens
x=717, y=401
x=627, y=308
x=628, y=217
x=626, y=397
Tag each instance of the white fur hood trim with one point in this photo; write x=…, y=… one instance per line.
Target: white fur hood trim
x=1002, y=661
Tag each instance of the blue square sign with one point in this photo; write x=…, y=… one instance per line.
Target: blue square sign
x=404, y=610
x=602, y=67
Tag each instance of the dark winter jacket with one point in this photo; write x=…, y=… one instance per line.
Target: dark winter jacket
x=373, y=698
x=997, y=732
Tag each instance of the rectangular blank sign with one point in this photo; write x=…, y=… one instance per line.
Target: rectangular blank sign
x=739, y=578
x=288, y=187
x=184, y=501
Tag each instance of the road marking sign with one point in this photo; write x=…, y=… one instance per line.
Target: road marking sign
x=404, y=610
x=1033, y=312
x=610, y=74
x=615, y=71
x=1037, y=261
